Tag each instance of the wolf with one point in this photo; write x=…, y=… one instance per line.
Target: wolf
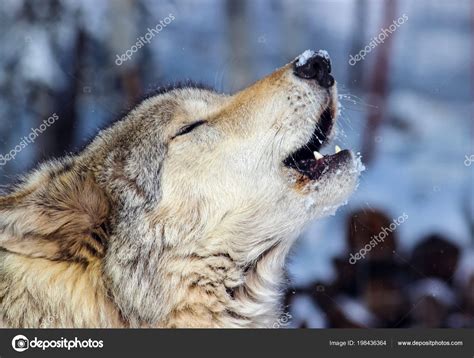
x=182, y=213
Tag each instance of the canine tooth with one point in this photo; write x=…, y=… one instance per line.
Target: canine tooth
x=337, y=149
x=317, y=155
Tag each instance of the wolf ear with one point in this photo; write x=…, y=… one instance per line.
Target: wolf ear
x=58, y=215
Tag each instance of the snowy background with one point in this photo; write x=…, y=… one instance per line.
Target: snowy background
x=408, y=108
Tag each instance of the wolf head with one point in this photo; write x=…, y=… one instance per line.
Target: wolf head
x=192, y=173
x=245, y=161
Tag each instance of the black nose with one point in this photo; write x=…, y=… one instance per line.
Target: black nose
x=315, y=66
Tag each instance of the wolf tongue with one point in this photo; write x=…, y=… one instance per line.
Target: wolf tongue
x=308, y=166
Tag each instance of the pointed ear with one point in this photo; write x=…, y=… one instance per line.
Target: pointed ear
x=59, y=215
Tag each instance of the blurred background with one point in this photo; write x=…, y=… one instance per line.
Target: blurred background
x=69, y=68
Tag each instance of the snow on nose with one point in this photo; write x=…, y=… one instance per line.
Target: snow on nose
x=312, y=65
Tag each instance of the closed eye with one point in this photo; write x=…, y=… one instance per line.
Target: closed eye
x=188, y=128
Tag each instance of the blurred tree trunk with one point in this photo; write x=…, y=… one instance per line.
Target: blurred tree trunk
x=356, y=72
x=124, y=22
x=49, y=98
x=293, y=39
x=61, y=135
x=132, y=85
x=236, y=12
x=470, y=197
x=379, y=84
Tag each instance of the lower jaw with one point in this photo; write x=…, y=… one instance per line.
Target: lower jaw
x=313, y=169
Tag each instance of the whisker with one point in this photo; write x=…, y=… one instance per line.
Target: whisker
x=351, y=98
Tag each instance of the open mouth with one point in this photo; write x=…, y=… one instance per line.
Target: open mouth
x=307, y=160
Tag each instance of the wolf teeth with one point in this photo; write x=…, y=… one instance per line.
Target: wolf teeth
x=317, y=155
x=337, y=149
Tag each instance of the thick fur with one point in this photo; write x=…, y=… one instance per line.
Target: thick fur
x=147, y=228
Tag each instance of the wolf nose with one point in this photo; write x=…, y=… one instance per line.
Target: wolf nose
x=315, y=66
